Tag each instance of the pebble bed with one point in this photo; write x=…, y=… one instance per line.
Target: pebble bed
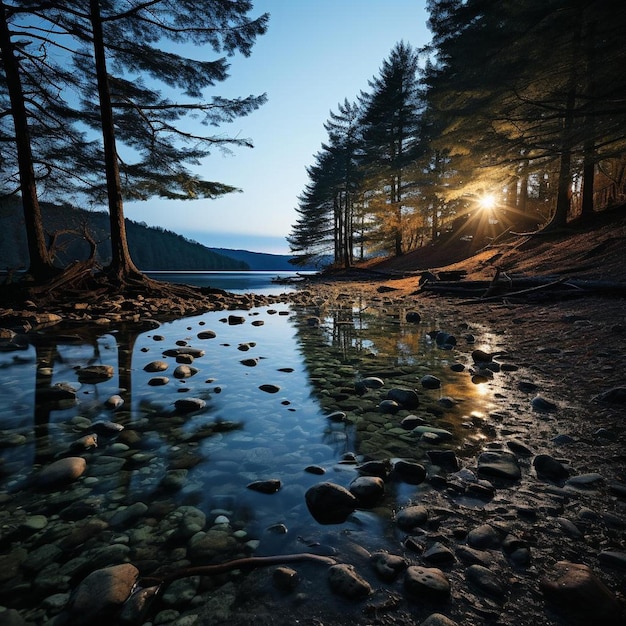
x=421, y=454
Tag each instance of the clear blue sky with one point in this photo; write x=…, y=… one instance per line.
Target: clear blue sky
x=315, y=54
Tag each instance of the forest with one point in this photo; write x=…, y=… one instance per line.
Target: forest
x=513, y=118
x=154, y=248
x=94, y=104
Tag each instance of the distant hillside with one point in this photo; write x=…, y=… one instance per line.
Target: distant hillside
x=260, y=260
x=152, y=248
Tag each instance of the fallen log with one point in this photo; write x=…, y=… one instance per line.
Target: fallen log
x=524, y=285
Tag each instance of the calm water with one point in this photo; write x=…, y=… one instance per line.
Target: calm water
x=235, y=282
x=208, y=458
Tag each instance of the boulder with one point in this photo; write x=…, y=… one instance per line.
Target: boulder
x=329, y=503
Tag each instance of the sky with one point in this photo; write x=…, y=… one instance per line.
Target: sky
x=314, y=55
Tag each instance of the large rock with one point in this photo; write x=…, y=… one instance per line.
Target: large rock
x=496, y=464
x=576, y=590
x=329, y=503
x=344, y=580
x=426, y=583
x=61, y=473
x=94, y=374
x=101, y=595
x=406, y=398
x=368, y=490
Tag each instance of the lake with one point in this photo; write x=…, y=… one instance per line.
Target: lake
x=235, y=282
x=228, y=420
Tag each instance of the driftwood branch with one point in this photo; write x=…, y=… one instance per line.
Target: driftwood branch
x=503, y=286
x=163, y=582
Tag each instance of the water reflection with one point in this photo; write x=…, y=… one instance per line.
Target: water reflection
x=266, y=421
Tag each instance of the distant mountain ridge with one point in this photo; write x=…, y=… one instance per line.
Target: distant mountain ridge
x=152, y=248
x=260, y=261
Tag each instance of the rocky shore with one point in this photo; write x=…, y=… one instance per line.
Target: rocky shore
x=529, y=528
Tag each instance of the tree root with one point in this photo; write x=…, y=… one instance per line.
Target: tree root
x=163, y=583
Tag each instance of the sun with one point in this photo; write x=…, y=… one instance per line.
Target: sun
x=487, y=201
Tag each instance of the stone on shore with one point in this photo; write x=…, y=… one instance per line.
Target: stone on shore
x=101, y=594
x=61, y=473
x=329, y=503
x=575, y=589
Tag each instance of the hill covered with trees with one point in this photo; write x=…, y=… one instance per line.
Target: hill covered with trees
x=72, y=229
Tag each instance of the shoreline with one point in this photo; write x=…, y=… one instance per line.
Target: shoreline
x=578, y=347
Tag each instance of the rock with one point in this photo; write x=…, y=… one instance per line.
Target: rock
x=204, y=546
x=336, y=416
x=58, y=393
x=234, y=320
x=388, y=566
x=107, y=429
x=585, y=481
x=345, y=581
x=269, y=388
x=207, y=334
x=196, y=353
x=94, y=374
x=486, y=580
x=412, y=421
x=519, y=448
x=613, y=558
x=438, y=553
x=437, y=619
x=430, y=382
x=575, y=589
x=285, y=579
x=189, y=405
x=101, y=594
x=410, y=472
x=265, y=486
x=484, y=537
x=174, y=480
x=87, y=442
x=156, y=366
x=413, y=317
x=388, y=406
x=185, y=371
x=617, y=395
x=372, y=382
x=412, y=517
x=158, y=381
x=542, y=405
x=432, y=433
x=124, y=517
x=499, y=465
x=445, y=340
x=446, y=459
x=549, y=468
x=480, y=356
x=329, y=503
x=406, y=398
x=114, y=402
x=368, y=490
x=382, y=468
x=426, y=583
x=61, y=473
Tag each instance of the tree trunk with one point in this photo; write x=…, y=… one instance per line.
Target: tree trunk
x=121, y=267
x=41, y=267
x=559, y=219
x=589, y=169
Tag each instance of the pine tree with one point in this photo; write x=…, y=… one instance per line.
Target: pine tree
x=390, y=122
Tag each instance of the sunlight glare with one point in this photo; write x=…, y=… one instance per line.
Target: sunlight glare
x=488, y=201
